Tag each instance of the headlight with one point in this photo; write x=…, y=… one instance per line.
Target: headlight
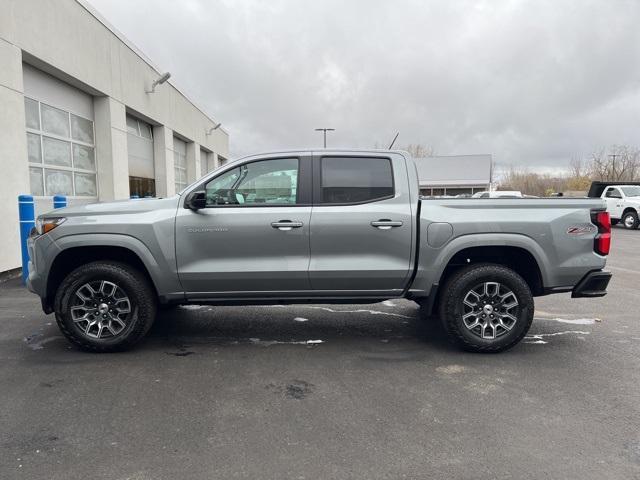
x=45, y=225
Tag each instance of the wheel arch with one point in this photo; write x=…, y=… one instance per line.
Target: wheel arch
x=515, y=251
x=516, y=258
x=71, y=258
x=76, y=250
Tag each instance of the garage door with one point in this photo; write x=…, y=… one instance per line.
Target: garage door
x=140, y=154
x=60, y=137
x=180, y=163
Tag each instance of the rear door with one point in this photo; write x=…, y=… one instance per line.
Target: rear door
x=361, y=225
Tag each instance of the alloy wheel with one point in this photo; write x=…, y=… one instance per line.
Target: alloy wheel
x=490, y=310
x=100, y=309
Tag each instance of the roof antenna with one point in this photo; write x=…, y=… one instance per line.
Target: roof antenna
x=394, y=141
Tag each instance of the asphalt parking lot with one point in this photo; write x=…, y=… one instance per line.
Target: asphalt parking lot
x=240, y=392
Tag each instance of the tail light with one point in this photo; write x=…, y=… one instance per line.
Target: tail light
x=602, y=240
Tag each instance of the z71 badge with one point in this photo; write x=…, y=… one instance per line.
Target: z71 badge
x=581, y=229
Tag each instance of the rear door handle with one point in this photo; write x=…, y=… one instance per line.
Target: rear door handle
x=385, y=224
x=286, y=225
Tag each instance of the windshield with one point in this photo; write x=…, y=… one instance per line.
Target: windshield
x=631, y=191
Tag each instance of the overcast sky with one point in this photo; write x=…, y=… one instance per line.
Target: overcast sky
x=532, y=83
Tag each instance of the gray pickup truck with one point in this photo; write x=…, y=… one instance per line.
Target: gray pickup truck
x=316, y=227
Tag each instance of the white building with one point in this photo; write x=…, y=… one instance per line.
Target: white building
x=77, y=119
x=454, y=174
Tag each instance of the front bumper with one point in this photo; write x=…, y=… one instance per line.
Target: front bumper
x=593, y=284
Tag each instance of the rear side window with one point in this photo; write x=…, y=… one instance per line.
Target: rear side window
x=355, y=179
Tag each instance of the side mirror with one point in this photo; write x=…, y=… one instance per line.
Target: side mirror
x=196, y=200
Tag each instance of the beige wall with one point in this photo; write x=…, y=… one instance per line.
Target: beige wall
x=66, y=40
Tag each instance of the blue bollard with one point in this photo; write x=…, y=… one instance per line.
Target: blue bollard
x=26, y=213
x=59, y=201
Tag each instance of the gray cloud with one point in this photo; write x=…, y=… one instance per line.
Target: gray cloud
x=530, y=82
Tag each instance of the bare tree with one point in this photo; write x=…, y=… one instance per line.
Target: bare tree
x=578, y=178
x=419, y=150
x=621, y=163
x=531, y=183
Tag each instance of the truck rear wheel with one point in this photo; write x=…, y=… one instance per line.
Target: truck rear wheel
x=630, y=220
x=105, y=306
x=486, y=308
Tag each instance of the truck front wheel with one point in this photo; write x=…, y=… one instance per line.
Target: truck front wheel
x=105, y=306
x=486, y=308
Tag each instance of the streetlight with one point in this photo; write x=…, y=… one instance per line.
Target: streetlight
x=324, y=131
x=210, y=130
x=159, y=81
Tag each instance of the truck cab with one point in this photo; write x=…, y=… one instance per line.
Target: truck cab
x=623, y=204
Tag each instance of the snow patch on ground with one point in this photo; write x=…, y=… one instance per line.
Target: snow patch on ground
x=360, y=310
x=300, y=319
x=574, y=321
x=451, y=369
x=268, y=343
x=539, y=337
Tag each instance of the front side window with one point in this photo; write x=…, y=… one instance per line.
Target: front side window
x=355, y=179
x=263, y=182
x=61, y=151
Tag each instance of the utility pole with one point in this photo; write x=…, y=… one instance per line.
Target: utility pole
x=324, y=131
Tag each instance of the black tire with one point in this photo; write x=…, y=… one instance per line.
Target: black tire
x=131, y=284
x=615, y=221
x=452, y=308
x=630, y=220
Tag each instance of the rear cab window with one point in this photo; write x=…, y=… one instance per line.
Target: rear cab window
x=353, y=180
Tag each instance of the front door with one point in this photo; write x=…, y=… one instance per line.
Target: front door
x=361, y=226
x=252, y=239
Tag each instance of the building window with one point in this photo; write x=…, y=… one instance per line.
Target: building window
x=142, y=187
x=140, y=156
x=459, y=191
x=180, y=163
x=61, y=151
x=204, y=162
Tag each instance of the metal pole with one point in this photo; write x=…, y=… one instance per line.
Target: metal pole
x=324, y=131
x=59, y=201
x=26, y=214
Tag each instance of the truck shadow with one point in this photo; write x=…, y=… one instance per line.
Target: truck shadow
x=311, y=324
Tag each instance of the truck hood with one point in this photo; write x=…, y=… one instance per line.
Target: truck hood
x=115, y=208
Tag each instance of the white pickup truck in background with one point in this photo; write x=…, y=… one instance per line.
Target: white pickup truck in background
x=623, y=202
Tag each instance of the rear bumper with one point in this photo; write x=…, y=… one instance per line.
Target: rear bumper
x=593, y=284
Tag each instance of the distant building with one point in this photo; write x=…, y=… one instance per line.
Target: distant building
x=454, y=174
x=79, y=119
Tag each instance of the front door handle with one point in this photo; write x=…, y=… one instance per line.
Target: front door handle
x=385, y=224
x=286, y=225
